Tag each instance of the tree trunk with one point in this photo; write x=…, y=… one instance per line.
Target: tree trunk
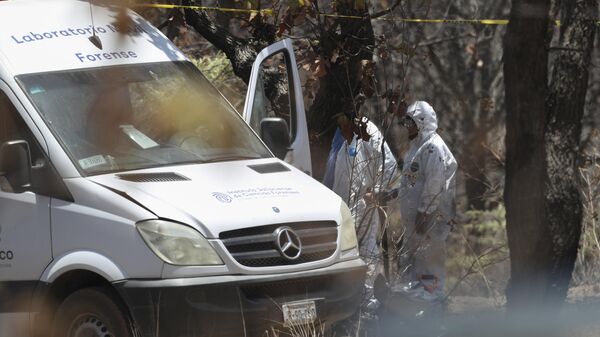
x=240, y=52
x=565, y=105
x=340, y=86
x=543, y=127
x=525, y=72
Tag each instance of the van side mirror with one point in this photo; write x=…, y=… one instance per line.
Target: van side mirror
x=15, y=165
x=275, y=133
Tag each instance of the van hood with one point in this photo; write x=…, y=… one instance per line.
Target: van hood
x=224, y=196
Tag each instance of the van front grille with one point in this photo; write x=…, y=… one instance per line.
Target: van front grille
x=256, y=246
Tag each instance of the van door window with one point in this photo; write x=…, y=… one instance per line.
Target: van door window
x=273, y=95
x=8, y=125
x=45, y=180
x=13, y=128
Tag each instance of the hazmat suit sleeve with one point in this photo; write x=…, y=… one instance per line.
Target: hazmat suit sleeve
x=433, y=166
x=391, y=173
x=336, y=145
x=385, y=166
x=342, y=171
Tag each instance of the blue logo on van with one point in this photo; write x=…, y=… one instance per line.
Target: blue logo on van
x=222, y=197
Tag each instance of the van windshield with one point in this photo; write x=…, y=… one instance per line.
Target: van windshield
x=140, y=116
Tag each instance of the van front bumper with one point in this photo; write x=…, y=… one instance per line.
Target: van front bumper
x=239, y=305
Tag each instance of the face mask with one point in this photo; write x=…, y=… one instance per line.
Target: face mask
x=407, y=122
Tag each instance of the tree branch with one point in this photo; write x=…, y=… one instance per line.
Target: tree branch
x=240, y=52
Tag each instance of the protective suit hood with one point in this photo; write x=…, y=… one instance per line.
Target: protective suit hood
x=424, y=116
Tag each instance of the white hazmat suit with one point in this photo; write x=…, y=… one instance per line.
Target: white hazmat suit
x=361, y=167
x=427, y=186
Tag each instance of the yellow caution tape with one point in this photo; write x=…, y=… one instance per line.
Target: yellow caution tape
x=452, y=21
x=206, y=8
x=356, y=17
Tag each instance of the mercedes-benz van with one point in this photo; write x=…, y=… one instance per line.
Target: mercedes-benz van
x=135, y=201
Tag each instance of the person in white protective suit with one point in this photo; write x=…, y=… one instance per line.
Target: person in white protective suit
x=427, y=206
x=362, y=170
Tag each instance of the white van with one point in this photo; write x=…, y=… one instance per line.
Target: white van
x=135, y=201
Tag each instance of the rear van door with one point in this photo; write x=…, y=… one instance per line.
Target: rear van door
x=275, y=98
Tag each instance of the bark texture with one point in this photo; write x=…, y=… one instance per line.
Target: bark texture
x=543, y=130
x=525, y=71
x=565, y=106
x=240, y=52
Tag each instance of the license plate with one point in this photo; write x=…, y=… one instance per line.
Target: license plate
x=297, y=313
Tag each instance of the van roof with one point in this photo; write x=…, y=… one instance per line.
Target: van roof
x=50, y=35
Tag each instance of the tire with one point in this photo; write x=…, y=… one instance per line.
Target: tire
x=91, y=312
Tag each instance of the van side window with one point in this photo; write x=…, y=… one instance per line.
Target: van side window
x=12, y=127
x=274, y=96
x=45, y=180
x=6, y=123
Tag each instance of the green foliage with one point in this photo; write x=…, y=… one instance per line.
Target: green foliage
x=215, y=67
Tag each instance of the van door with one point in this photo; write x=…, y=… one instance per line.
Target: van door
x=275, y=94
x=25, y=244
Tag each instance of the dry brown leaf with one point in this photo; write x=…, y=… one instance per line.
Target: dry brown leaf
x=321, y=69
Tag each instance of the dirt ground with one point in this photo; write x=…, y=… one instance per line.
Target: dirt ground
x=466, y=316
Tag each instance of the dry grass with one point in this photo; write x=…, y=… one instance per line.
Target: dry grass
x=587, y=267
x=308, y=329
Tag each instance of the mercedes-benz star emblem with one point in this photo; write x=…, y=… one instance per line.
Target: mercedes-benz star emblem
x=288, y=243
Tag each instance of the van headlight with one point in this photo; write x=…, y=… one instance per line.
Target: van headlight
x=349, y=240
x=177, y=244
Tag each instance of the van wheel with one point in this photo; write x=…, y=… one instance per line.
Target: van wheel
x=91, y=312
